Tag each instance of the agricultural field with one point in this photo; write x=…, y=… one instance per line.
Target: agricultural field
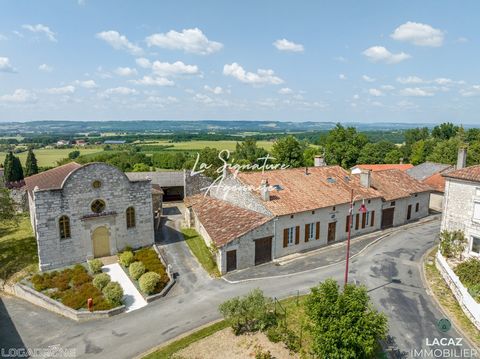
x=48, y=157
x=198, y=145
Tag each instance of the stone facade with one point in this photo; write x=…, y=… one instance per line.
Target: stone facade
x=74, y=199
x=458, y=210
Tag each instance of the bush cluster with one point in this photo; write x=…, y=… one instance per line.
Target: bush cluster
x=148, y=282
x=95, y=265
x=469, y=272
x=101, y=280
x=149, y=258
x=136, y=270
x=113, y=292
x=126, y=258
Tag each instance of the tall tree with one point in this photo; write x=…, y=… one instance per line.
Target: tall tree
x=445, y=151
x=421, y=150
x=249, y=151
x=414, y=135
x=375, y=152
x=289, y=151
x=13, y=168
x=344, y=324
x=445, y=131
x=343, y=146
x=31, y=166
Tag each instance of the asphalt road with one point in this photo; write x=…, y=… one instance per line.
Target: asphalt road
x=390, y=269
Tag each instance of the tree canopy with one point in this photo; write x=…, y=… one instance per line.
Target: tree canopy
x=31, y=166
x=13, y=170
x=289, y=151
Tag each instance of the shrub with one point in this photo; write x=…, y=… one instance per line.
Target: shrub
x=76, y=298
x=247, y=314
x=148, y=282
x=152, y=263
x=113, y=292
x=136, y=270
x=291, y=340
x=274, y=334
x=95, y=265
x=469, y=272
x=101, y=280
x=79, y=278
x=262, y=354
x=126, y=258
x=452, y=243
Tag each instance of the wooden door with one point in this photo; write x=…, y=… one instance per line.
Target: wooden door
x=387, y=217
x=231, y=260
x=101, y=242
x=263, y=250
x=331, y=231
x=409, y=212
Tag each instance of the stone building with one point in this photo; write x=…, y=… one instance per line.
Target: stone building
x=82, y=212
x=255, y=217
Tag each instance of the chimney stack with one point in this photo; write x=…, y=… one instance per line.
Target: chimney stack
x=319, y=161
x=264, y=191
x=401, y=161
x=461, y=158
x=365, y=178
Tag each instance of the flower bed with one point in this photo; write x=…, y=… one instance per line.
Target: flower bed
x=71, y=287
x=151, y=275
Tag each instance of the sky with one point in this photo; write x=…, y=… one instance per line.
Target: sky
x=341, y=61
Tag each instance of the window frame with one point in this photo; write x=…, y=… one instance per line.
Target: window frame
x=64, y=227
x=130, y=217
x=291, y=236
x=100, y=201
x=311, y=231
x=476, y=203
x=472, y=245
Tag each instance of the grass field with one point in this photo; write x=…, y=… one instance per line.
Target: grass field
x=49, y=157
x=198, y=247
x=198, y=145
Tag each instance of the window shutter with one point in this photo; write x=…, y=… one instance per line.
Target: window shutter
x=372, y=221
x=297, y=234
x=357, y=221
x=346, y=223
x=364, y=219
x=285, y=238
x=317, y=232
x=476, y=211
x=307, y=232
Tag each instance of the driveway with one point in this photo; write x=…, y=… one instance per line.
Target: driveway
x=390, y=269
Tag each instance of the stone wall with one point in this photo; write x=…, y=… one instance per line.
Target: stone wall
x=74, y=200
x=19, y=198
x=195, y=184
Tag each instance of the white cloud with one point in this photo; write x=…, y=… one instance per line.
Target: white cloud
x=119, y=41
x=261, y=77
x=415, y=92
x=61, y=90
x=342, y=77
x=217, y=90
x=203, y=98
x=418, y=34
x=125, y=71
x=189, y=40
x=340, y=59
x=443, y=81
x=285, y=91
x=45, y=68
x=143, y=62
x=410, y=80
x=88, y=84
x=381, y=54
x=119, y=91
x=19, y=96
x=285, y=45
x=161, y=101
x=375, y=92
x=367, y=78
x=462, y=39
x=42, y=29
x=6, y=66
x=153, y=81
x=356, y=97
x=387, y=87
x=172, y=69
x=472, y=91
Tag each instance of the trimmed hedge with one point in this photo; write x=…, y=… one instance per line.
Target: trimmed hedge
x=101, y=280
x=136, y=270
x=152, y=263
x=113, y=292
x=469, y=272
x=95, y=265
x=148, y=282
x=126, y=258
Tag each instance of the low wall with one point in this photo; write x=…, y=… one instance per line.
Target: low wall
x=169, y=285
x=37, y=298
x=469, y=306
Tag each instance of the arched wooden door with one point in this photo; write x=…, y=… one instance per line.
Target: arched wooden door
x=101, y=242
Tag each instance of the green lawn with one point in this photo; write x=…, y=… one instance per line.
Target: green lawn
x=198, y=247
x=48, y=157
x=18, y=248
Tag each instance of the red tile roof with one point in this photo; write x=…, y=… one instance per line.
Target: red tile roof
x=471, y=173
x=224, y=221
x=395, y=184
x=51, y=179
x=322, y=187
x=436, y=181
x=382, y=167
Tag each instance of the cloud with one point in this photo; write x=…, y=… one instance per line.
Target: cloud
x=189, y=40
x=367, y=78
x=472, y=91
x=3, y=37
x=410, y=80
x=342, y=77
x=6, y=66
x=172, y=69
x=119, y=42
x=41, y=29
x=285, y=91
x=415, y=92
x=418, y=34
x=203, y=98
x=87, y=84
x=143, y=62
x=341, y=59
x=125, y=71
x=285, y=45
x=375, y=92
x=387, y=87
x=65, y=90
x=19, y=96
x=261, y=77
x=45, y=68
x=381, y=54
x=462, y=40
x=217, y=90
x=153, y=81
x=124, y=91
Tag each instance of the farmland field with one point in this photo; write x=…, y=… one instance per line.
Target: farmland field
x=198, y=145
x=49, y=157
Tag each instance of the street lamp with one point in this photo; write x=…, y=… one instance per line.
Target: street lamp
x=363, y=209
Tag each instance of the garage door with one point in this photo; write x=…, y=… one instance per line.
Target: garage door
x=263, y=250
x=231, y=260
x=387, y=217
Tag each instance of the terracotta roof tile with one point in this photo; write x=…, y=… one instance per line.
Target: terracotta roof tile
x=395, y=184
x=437, y=181
x=224, y=221
x=297, y=192
x=471, y=173
x=51, y=179
x=382, y=167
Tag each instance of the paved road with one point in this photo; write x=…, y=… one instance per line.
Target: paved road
x=390, y=269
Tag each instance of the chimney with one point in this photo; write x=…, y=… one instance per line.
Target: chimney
x=264, y=192
x=461, y=158
x=319, y=161
x=365, y=178
x=401, y=161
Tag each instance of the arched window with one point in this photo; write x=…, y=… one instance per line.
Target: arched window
x=130, y=217
x=64, y=227
x=98, y=206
